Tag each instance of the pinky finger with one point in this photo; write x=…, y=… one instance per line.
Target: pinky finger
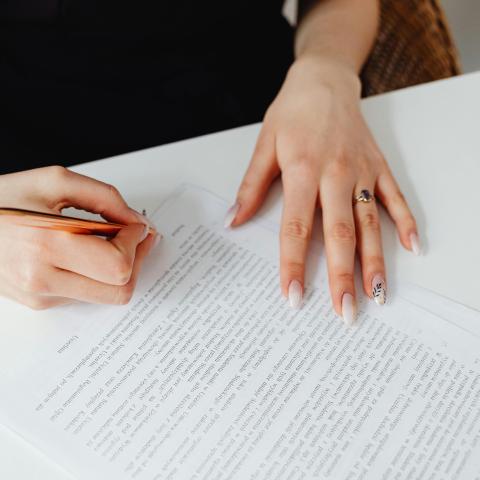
x=392, y=198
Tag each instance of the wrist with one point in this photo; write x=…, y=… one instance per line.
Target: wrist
x=328, y=72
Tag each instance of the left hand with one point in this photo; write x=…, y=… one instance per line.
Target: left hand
x=315, y=136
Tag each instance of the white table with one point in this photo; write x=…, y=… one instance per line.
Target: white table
x=430, y=135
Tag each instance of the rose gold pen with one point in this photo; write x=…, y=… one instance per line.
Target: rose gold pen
x=51, y=221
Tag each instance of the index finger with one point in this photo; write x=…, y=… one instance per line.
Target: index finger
x=62, y=188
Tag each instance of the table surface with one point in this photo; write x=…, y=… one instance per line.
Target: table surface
x=430, y=137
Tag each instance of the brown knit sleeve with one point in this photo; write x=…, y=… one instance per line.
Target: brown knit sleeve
x=414, y=45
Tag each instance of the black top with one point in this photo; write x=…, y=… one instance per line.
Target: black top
x=85, y=79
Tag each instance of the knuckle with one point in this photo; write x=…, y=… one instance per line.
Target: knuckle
x=31, y=280
x=343, y=231
x=374, y=262
x=296, y=229
x=113, y=191
x=303, y=168
x=378, y=157
x=339, y=169
x=367, y=169
x=292, y=143
x=294, y=268
x=246, y=187
x=407, y=223
x=370, y=222
x=37, y=303
x=345, y=278
x=123, y=294
x=121, y=270
x=57, y=172
x=397, y=198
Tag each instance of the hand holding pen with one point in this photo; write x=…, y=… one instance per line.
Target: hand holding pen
x=48, y=260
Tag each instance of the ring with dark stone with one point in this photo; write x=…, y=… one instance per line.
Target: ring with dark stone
x=365, y=197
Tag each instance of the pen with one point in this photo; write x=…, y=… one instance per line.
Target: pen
x=30, y=218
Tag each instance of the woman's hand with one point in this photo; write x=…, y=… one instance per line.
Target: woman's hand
x=44, y=268
x=314, y=135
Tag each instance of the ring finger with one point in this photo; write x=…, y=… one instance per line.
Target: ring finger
x=369, y=242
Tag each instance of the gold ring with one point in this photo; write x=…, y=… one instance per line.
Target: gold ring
x=364, y=197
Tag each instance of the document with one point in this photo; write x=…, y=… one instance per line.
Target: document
x=208, y=374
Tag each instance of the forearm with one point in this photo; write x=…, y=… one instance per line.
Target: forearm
x=341, y=32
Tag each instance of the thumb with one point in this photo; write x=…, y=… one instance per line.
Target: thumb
x=62, y=188
x=263, y=169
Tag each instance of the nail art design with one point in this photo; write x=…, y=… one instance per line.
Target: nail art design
x=379, y=290
x=231, y=214
x=295, y=294
x=415, y=244
x=349, y=312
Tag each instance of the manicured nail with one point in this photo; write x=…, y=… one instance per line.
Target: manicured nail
x=348, y=309
x=158, y=237
x=231, y=214
x=379, y=290
x=295, y=294
x=415, y=244
x=146, y=231
x=143, y=219
x=151, y=225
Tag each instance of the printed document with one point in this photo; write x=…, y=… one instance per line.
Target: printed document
x=208, y=374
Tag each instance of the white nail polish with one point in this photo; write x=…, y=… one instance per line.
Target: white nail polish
x=145, y=233
x=143, y=219
x=231, y=214
x=157, y=240
x=348, y=309
x=150, y=224
x=295, y=294
x=415, y=244
x=379, y=290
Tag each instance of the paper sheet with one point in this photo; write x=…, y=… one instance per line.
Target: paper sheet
x=208, y=374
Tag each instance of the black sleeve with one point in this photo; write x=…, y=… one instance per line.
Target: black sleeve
x=29, y=10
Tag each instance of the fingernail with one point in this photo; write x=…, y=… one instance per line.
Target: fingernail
x=143, y=219
x=146, y=230
x=348, y=309
x=158, y=237
x=231, y=214
x=379, y=290
x=295, y=294
x=415, y=244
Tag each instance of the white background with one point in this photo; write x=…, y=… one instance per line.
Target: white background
x=464, y=16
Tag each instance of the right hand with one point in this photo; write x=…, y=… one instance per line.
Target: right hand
x=45, y=268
